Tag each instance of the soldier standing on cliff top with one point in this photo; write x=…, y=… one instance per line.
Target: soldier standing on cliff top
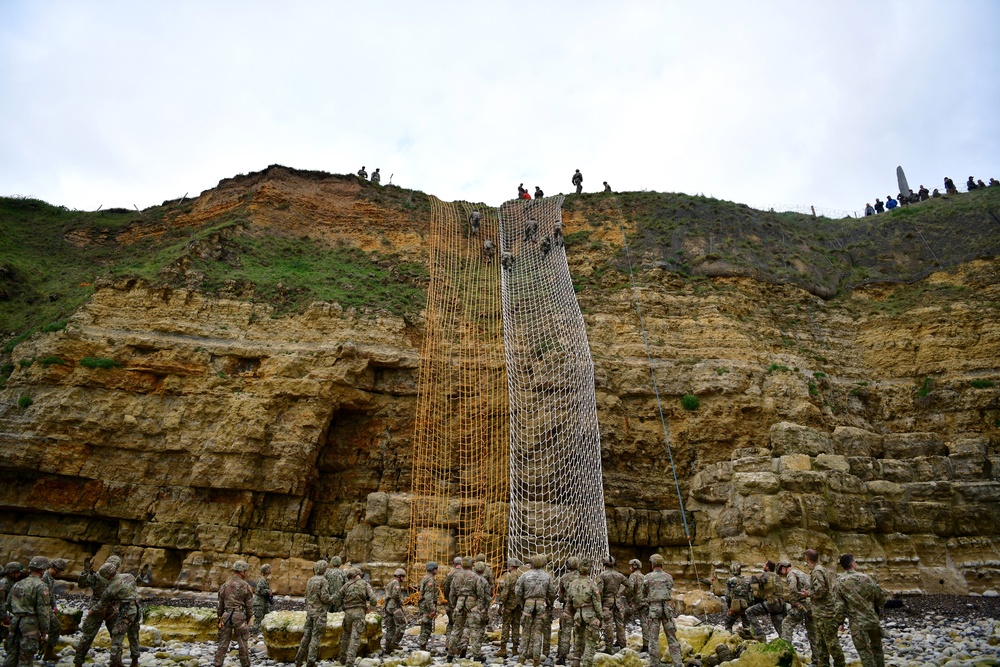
x=578, y=181
x=235, y=605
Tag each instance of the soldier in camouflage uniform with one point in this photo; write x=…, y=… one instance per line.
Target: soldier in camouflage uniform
x=358, y=598
x=335, y=577
x=262, y=598
x=798, y=598
x=318, y=600
x=428, y=604
x=771, y=591
x=446, y=590
x=11, y=574
x=235, y=606
x=121, y=599
x=862, y=600
x=474, y=219
x=585, y=609
x=479, y=611
x=656, y=588
x=510, y=609
x=536, y=593
x=394, y=622
x=635, y=606
x=565, y=618
x=98, y=582
x=738, y=597
x=56, y=567
x=461, y=598
x=610, y=582
x=827, y=613
x=30, y=608
x=491, y=579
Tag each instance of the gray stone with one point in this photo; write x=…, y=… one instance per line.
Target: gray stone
x=788, y=438
x=750, y=483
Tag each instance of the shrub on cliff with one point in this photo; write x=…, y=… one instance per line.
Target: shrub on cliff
x=690, y=402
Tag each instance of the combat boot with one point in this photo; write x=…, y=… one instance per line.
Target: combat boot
x=502, y=653
x=135, y=662
x=49, y=655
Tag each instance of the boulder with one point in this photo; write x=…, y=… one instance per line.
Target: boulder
x=69, y=621
x=698, y=603
x=283, y=630
x=186, y=624
x=148, y=636
x=788, y=438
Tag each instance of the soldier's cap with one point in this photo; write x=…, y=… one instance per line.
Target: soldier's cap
x=466, y=562
x=400, y=572
x=13, y=566
x=656, y=559
x=109, y=569
x=457, y=560
x=320, y=566
x=336, y=561
x=38, y=563
x=265, y=568
x=58, y=563
x=479, y=567
x=480, y=557
x=513, y=562
x=584, y=567
x=573, y=562
x=636, y=563
x=241, y=566
x=431, y=566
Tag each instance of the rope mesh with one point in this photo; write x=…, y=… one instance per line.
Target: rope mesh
x=556, y=487
x=460, y=458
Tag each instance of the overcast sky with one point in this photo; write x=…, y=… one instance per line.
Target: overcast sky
x=799, y=103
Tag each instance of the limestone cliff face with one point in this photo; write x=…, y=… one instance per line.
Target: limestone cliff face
x=869, y=423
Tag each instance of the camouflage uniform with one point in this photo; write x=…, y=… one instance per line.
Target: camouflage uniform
x=773, y=591
x=578, y=181
x=536, y=592
x=738, y=600
x=428, y=604
x=122, y=600
x=98, y=613
x=479, y=611
x=798, y=581
x=358, y=596
x=565, y=617
x=318, y=599
x=376, y=176
x=656, y=588
x=610, y=583
x=827, y=613
x=235, y=604
x=446, y=589
x=584, y=600
x=510, y=611
x=488, y=575
x=635, y=605
x=394, y=622
x=335, y=577
x=12, y=572
x=474, y=219
x=55, y=629
x=862, y=599
x=262, y=599
x=463, y=587
x=30, y=609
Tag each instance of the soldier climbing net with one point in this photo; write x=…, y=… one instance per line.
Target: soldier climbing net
x=556, y=487
x=506, y=425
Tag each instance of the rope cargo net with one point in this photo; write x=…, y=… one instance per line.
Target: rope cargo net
x=507, y=455
x=556, y=487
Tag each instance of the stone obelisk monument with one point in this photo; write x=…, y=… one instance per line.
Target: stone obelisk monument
x=904, y=188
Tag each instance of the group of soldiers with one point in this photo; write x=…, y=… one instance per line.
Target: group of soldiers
x=817, y=600
x=31, y=621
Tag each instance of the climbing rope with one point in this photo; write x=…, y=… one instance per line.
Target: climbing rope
x=656, y=390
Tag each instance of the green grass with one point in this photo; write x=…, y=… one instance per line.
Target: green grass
x=690, y=402
x=926, y=387
x=25, y=401
x=777, y=368
x=52, y=360
x=982, y=384
x=99, y=362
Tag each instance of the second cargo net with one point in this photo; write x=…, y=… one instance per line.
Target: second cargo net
x=556, y=487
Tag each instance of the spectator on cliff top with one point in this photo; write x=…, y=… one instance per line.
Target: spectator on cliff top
x=538, y=193
x=607, y=188
x=971, y=184
x=913, y=197
x=993, y=182
x=949, y=186
x=362, y=173
x=879, y=206
x=376, y=177
x=980, y=184
x=935, y=193
x=869, y=210
x=903, y=199
x=890, y=203
x=521, y=191
x=923, y=192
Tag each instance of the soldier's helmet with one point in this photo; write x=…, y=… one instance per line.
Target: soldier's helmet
x=115, y=558
x=400, y=572
x=735, y=568
x=265, y=569
x=784, y=563
x=513, y=562
x=636, y=563
x=457, y=560
x=479, y=567
x=241, y=566
x=59, y=564
x=573, y=562
x=432, y=566
x=584, y=567
x=109, y=569
x=353, y=572
x=480, y=558
x=12, y=567
x=609, y=561
x=320, y=566
x=537, y=561
x=38, y=563
x=655, y=560
x=336, y=561
x=466, y=562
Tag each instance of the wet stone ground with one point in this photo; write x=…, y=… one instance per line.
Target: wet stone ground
x=927, y=631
